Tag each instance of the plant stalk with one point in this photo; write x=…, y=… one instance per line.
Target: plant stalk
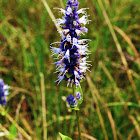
x=79, y=130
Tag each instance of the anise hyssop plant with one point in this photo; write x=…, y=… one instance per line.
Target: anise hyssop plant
x=72, y=52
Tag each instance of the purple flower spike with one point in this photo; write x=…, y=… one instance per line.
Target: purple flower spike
x=72, y=101
x=3, y=92
x=72, y=52
x=78, y=95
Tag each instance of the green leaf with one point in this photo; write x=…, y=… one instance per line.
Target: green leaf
x=13, y=129
x=64, y=137
x=13, y=132
x=77, y=90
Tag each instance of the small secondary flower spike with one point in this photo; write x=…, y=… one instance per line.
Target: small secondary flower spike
x=72, y=101
x=72, y=52
x=78, y=95
x=3, y=92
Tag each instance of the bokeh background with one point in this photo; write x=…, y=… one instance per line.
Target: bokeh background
x=111, y=107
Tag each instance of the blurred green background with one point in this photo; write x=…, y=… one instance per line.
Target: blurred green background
x=111, y=107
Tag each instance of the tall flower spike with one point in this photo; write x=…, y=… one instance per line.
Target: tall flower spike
x=3, y=92
x=72, y=52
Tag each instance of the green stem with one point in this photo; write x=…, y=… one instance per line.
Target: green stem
x=77, y=114
x=79, y=130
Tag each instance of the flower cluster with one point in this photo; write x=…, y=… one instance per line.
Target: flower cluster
x=72, y=52
x=3, y=92
x=73, y=101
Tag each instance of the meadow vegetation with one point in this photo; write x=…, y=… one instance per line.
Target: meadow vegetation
x=111, y=107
